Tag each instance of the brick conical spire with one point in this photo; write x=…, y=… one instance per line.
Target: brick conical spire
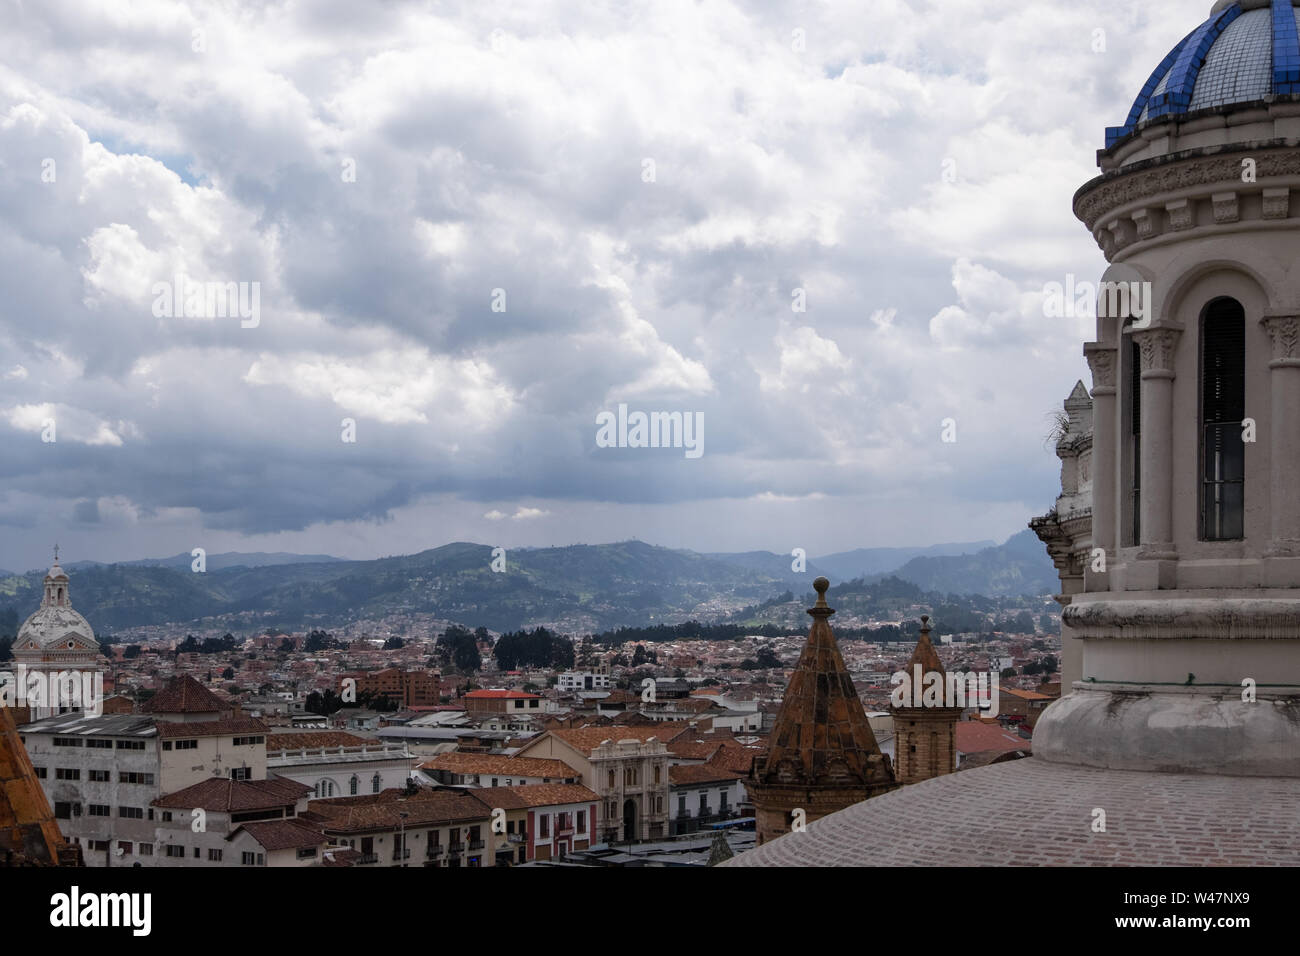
x=925, y=654
x=823, y=755
x=29, y=834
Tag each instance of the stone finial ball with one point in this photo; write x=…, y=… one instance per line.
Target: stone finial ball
x=820, y=585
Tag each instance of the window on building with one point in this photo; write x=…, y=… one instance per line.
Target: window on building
x=722, y=799
x=704, y=802
x=214, y=856
x=176, y=852
x=146, y=849
x=98, y=810
x=1135, y=438
x=186, y=744
x=67, y=773
x=196, y=853
x=41, y=774
x=582, y=820
x=544, y=825
x=167, y=745
x=375, y=783
x=681, y=805
x=69, y=742
x=62, y=810
x=126, y=776
x=354, y=785
x=245, y=773
x=1223, y=408
x=99, y=776
x=130, y=745
x=611, y=780
x=94, y=744
x=657, y=773
x=246, y=859
x=131, y=813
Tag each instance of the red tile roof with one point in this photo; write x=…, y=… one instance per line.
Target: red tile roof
x=281, y=834
x=587, y=739
x=220, y=795
x=383, y=811
x=501, y=766
x=498, y=694
x=184, y=695
x=685, y=774
x=308, y=740
x=553, y=794
x=230, y=727
x=973, y=737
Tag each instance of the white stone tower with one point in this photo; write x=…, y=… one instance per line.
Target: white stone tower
x=1190, y=636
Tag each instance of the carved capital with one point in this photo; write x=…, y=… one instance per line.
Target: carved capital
x=1157, y=347
x=1284, y=331
x=1102, y=363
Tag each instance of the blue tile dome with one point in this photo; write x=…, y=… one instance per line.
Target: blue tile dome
x=1247, y=51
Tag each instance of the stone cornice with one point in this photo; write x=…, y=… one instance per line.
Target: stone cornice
x=1197, y=190
x=1185, y=619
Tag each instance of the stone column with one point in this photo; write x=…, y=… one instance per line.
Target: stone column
x=1284, y=453
x=1102, y=359
x=1157, y=347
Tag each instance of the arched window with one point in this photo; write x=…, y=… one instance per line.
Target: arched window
x=1135, y=442
x=355, y=785
x=1223, y=408
x=374, y=783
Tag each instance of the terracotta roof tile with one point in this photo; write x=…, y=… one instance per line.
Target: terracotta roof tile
x=499, y=765
x=281, y=834
x=229, y=727
x=184, y=695
x=221, y=795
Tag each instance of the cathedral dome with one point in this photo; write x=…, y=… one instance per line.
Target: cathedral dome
x=1246, y=54
x=55, y=625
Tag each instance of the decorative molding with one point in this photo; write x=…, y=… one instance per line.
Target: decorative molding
x=1145, y=220
x=1225, y=207
x=1180, y=215
x=1277, y=203
x=1157, y=347
x=1123, y=188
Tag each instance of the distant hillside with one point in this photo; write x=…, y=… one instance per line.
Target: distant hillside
x=219, y=562
x=777, y=566
x=589, y=586
x=1020, y=566
x=581, y=589
x=865, y=562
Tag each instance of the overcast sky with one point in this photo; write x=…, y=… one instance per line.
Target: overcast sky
x=648, y=184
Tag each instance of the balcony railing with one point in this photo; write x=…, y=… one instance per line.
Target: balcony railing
x=368, y=858
x=456, y=848
x=401, y=854
x=435, y=850
x=476, y=844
